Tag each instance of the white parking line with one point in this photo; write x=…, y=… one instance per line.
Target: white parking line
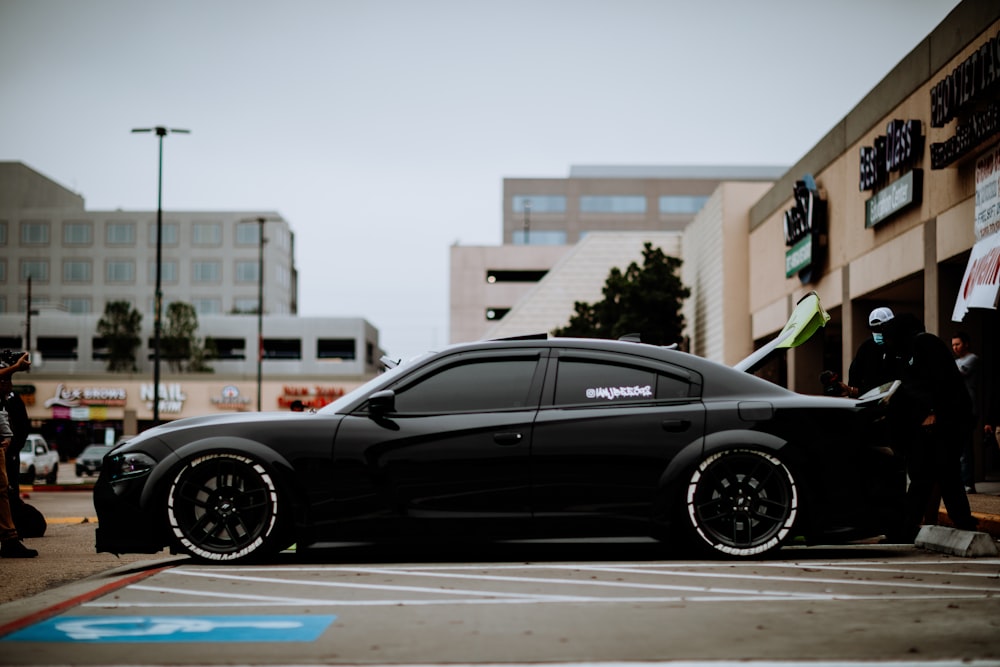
x=834, y=588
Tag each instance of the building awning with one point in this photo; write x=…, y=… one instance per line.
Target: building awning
x=981, y=282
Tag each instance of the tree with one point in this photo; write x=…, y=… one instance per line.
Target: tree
x=119, y=327
x=643, y=300
x=179, y=345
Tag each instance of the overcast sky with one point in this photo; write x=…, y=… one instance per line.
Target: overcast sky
x=382, y=130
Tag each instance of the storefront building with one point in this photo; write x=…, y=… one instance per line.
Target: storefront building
x=897, y=206
x=73, y=413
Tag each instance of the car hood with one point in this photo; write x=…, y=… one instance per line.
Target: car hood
x=240, y=422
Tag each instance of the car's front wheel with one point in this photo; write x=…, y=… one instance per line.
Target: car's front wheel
x=28, y=478
x=225, y=507
x=741, y=503
x=53, y=475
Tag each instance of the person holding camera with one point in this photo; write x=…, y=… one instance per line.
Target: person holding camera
x=871, y=366
x=10, y=542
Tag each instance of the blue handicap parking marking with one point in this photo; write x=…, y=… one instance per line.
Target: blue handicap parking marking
x=98, y=629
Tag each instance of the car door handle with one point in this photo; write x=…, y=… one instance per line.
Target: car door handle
x=676, y=425
x=507, y=439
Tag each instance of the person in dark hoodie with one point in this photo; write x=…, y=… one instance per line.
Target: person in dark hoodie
x=933, y=413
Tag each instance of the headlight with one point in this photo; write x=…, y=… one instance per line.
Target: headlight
x=129, y=465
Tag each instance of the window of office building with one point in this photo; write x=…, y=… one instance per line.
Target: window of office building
x=207, y=306
x=3, y=270
x=514, y=276
x=10, y=343
x=230, y=349
x=612, y=204
x=3, y=232
x=78, y=232
x=539, y=237
x=682, y=204
x=206, y=233
x=282, y=275
x=36, y=269
x=337, y=349
x=206, y=271
x=246, y=271
x=539, y=203
x=77, y=305
x=168, y=271
x=3, y=304
x=57, y=347
x=34, y=232
x=77, y=271
x=121, y=233
x=245, y=305
x=248, y=233
x=99, y=349
x=494, y=314
x=170, y=231
x=282, y=348
x=37, y=300
x=120, y=271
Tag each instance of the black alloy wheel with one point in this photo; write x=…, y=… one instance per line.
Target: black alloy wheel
x=741, y=503
x=225, y=508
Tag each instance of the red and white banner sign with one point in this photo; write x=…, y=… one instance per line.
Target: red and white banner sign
x=981, y=282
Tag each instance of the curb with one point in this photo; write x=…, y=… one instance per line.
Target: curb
x=988, y=523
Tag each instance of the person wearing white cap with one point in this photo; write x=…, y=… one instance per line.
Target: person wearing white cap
x=870, y=367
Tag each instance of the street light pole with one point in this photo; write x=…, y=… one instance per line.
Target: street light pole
x=158, y=294
x=260, y=220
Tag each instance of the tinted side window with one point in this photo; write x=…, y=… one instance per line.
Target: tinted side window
x=470, y=387
x=595, y=382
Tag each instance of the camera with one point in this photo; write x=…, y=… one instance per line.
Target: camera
x=9, y=357
x=831, y=383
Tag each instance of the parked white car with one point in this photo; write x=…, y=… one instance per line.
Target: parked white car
x=38, y=460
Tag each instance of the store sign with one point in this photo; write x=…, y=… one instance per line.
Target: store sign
x=231, y=398
x=805, y=232
x=312, y=398
x=900, y=147
x=901, y=194
x=967, y=94
x=81, y=396
x=171, y=397
x=987, y=195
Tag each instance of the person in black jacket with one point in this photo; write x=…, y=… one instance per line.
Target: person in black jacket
x=933, y=414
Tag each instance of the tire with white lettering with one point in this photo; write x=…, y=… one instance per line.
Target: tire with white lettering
x=225, y=507
x=740, y=503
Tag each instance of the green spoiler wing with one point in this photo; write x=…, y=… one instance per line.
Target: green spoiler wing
x=804, y=321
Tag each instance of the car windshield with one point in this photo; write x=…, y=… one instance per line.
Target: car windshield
x=28, y=447
x=337, y=405
x=96, y=450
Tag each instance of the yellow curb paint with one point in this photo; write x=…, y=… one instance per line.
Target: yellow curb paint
x=72, y=519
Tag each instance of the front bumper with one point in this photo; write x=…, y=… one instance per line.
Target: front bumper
x=124, y=524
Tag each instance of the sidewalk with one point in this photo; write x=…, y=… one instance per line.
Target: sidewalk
x=985, y=504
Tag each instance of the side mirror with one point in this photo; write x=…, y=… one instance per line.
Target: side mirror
x=39, y=450
x=381, y=402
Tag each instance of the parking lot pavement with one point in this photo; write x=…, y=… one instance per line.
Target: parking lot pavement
x=560, y=603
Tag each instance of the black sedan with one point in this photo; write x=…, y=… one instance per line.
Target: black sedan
x=514, y=439
x=90, y=459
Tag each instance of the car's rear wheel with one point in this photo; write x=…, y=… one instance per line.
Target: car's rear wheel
x=225, y=507
x=741, y=503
